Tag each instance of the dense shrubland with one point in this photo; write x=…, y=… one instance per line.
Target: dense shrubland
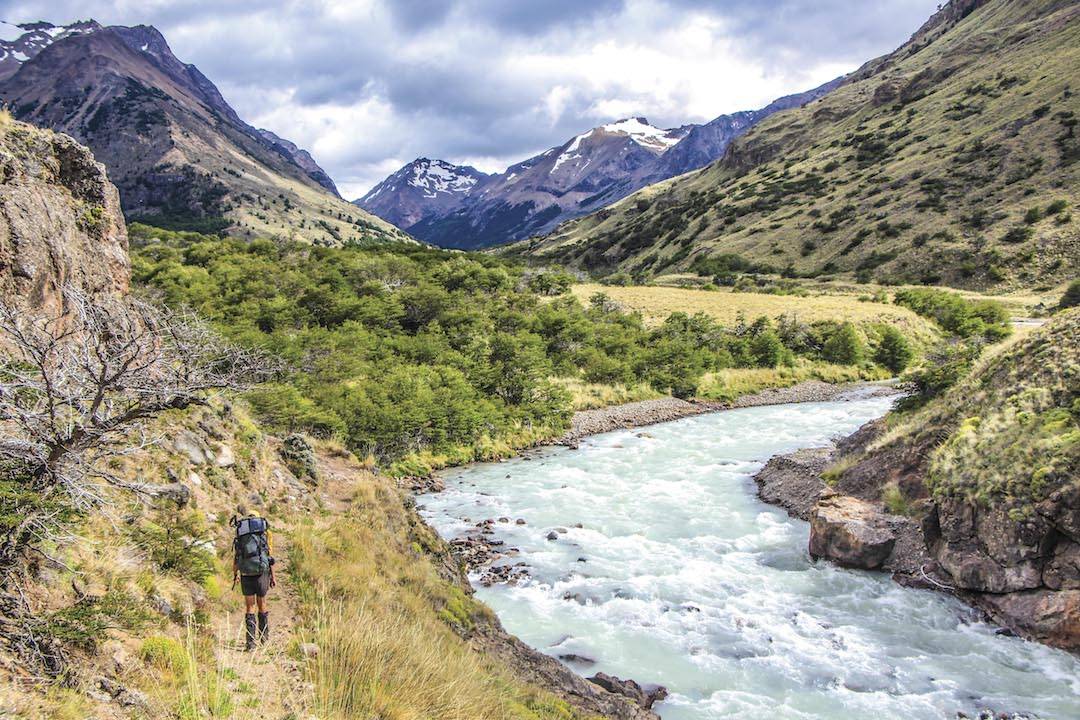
x=970, y=325
x=409, y=352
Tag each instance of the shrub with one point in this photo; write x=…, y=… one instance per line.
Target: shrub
x=893, y=351
x=164, y=653
x=942, y=368
x=955, y=314
x=1071, y=298
x=844, y=346
x=766, y=348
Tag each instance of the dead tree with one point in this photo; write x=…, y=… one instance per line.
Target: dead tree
x=79, y=389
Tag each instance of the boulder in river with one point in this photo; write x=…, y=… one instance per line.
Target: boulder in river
x=851, y=532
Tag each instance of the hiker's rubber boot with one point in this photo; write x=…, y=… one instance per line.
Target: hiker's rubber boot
x=264, y=626
x=249, y=627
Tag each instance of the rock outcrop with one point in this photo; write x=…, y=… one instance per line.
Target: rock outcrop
x=60, y=220
x=850, y=532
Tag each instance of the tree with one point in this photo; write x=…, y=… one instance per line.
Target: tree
x=893, y=352
x=1071, y=298
x=766, y=348
x=78, y=388
x=844, y=346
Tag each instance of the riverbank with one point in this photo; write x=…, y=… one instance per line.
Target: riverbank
x=856, y=526
x=651, y=412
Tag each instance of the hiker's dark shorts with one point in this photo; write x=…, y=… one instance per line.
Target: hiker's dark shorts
x=255, y=584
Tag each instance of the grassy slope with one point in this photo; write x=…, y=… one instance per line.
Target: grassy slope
x=917, y=171
x=1010, y=432
x=257, y=193
x=360, y=575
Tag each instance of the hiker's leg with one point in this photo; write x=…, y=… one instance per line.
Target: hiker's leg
x=250, y=628
x=264, y=616
x=249, y=603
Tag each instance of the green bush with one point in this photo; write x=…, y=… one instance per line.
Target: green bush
x=893, y=351
x=943, y=367
x=844, y=346
x=955, y=314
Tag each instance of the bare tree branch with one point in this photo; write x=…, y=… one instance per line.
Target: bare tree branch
x=78, y=389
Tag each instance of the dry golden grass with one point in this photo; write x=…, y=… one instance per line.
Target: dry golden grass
x=730, y=384
x=656, y=303
x=383, y=620
x=587, y=396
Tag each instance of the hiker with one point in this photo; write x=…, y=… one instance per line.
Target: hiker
x=253, y=566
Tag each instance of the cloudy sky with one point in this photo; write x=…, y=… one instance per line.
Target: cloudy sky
x=368, y=85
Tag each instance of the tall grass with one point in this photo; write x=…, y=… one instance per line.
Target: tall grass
x=389, y=628
x=371, y=664
x=587, y=396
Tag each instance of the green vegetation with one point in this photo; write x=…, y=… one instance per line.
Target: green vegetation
x=894, y=352
x=971, y=324
x=956, y=314
x=1009, y=432
x=421, y=358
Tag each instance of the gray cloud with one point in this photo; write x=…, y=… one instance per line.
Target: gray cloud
x=367, y=85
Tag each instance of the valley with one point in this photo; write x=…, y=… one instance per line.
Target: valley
x=775, y=415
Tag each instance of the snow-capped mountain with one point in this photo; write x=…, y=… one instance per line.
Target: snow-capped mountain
x=587, y=172
x=19, y=43
x=421, y=189
x=460, y=207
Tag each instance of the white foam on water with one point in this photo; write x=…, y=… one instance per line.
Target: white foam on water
x=690, y=581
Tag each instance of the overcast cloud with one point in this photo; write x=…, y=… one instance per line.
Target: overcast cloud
x=368, y=85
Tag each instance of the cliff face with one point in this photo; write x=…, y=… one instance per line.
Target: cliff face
x=60, y=219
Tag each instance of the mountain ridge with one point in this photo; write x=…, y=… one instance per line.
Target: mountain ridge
x=180, y=154
x=951, y=160
x=589, y=171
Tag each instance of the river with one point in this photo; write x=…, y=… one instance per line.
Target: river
x=680, y=576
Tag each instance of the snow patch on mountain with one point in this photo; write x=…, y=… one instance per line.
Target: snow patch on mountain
x=20, y=42
x=438, y=176
x=644, y=134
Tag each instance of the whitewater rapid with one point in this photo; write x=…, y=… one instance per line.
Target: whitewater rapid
x=680, y=576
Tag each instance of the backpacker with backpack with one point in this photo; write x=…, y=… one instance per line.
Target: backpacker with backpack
x=251, y=547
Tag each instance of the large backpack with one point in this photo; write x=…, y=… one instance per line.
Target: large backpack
x=251, y=546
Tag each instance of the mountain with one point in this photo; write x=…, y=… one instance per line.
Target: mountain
x=951, y=160
x=178, y=152
x=422, y=189
x=589, y=171
x=705, y=143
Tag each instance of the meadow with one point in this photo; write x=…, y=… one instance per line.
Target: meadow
x=656, y=303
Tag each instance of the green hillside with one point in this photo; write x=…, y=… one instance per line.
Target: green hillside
x=951, y=161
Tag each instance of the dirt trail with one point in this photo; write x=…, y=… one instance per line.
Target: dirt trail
x=269, y=682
